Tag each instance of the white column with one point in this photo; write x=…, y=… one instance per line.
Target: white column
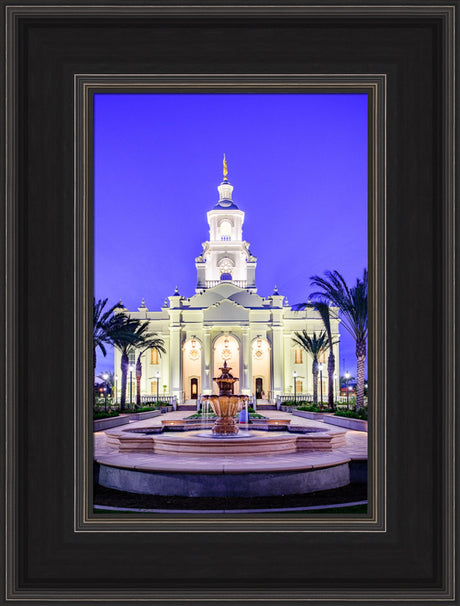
x=175, y=362
x=278, y=361
x=246, y=387
x=206, y=362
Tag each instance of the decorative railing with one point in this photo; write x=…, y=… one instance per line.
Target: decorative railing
x=299, y=397
x=302, y=397
x=159, y=398
x=212, y=283
x=171, y=400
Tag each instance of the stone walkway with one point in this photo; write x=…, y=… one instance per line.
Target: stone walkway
x=355, y=449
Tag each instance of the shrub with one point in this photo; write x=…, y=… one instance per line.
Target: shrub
x=361, y=414
x=146, y=408
x=309, y=408
x=151, y=406
x=105, y=415
x=202, y=415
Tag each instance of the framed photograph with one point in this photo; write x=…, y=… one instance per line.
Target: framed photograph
x=186, y=447
x=210, y=459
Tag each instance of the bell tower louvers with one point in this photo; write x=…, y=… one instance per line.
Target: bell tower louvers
x=226, y=256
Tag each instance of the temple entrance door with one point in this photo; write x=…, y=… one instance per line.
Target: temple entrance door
x=259, y=388
x=226, y=349
x=194, y=388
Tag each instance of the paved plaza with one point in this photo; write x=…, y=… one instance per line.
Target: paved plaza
x=355, y=449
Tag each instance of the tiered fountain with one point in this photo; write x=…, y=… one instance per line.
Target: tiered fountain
x=190, y=463
x=226, y=405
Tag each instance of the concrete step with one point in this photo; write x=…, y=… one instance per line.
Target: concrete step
x=266, y=406
x=186, y=407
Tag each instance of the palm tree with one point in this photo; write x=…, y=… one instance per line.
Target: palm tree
x=315, y=346
x=131, y=337
x=325, y=312
x=104, y=324
x=352, y=303
x=151, y=341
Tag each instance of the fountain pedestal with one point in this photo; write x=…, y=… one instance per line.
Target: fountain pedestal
x=225, y=407
x=225, y=426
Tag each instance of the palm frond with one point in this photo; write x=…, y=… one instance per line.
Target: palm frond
x=314, y=345
x=325, y=311
x=352, y=302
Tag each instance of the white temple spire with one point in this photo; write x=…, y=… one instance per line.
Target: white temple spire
x=226, y=256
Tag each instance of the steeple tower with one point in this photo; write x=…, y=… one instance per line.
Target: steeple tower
x=226, y=256
x=225, y=190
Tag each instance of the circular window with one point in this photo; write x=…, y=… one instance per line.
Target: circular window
x=226, y=267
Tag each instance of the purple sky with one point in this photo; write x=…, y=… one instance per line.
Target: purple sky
x=298, y=164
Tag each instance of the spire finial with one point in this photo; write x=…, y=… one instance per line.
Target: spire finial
x=225, y=169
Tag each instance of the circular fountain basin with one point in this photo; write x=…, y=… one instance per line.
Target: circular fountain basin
x=244, y=443
x=196, y=463
x=235, y=436
x=206, y=443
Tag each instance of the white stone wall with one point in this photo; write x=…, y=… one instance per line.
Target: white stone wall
x=229, y=310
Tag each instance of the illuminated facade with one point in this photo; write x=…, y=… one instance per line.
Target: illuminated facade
x=227, y=320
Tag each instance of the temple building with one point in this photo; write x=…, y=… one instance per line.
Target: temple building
x=226, y=319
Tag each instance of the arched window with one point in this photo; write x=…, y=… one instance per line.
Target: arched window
x=225, y=229
x=154, y=356
x=298, y=355
x=225, y=276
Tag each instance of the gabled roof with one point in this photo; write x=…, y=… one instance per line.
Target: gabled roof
x=240, y=296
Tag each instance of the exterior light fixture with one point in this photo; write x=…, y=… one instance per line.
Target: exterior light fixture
x=131, y=368
x=158, y=381
x=321, y=382
x=347, y=377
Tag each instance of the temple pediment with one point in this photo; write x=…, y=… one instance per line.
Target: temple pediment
x=226, y=311
x=226, y=291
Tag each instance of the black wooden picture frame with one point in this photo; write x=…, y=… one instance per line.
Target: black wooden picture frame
x=404, y=550
x=86, y=86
